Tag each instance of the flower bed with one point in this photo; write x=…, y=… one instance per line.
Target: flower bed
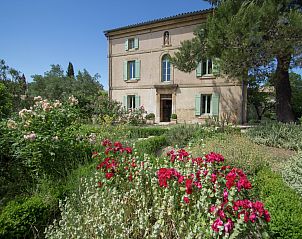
x=174, y=197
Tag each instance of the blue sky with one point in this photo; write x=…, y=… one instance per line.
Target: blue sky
x=38, y=33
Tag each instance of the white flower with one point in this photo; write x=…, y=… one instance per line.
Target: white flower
x=11, y=124
x=30, y=137
x=72, y=100
x=38, y=98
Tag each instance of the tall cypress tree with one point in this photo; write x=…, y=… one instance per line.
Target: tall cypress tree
x=70, y=71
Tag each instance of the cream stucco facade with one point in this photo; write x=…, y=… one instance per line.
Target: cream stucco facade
x=183, y=91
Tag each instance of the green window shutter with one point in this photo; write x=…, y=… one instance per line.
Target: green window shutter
x=216, y=66
x=125, y=71
x=125, y=102
x=126, y=45
x=197, y=104
x=198, y=70
x=215, y=104
x=137, y=101
x=137, y=69
x=136, y=43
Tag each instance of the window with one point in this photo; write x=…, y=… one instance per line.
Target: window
x=131, y=70
x=131, y=102
x=131, y=44
x=207, y=104
x=166, y=69
x=205, y=67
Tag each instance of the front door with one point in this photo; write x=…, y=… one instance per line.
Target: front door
x=165, y=107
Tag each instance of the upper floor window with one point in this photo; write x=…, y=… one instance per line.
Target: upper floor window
x=166, y=38
x=205, y=67
x=131, y=70
x=166, y=69
x=131, y=43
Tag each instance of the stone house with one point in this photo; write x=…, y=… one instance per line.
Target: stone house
x=140, y=73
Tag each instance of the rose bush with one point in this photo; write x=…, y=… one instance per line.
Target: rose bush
x=174, y=197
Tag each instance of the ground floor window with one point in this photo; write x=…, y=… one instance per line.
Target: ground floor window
x=207, y=104
x=131, y=102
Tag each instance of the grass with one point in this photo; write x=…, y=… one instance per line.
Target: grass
x=240, y=151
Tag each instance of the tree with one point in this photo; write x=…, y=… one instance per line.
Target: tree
x=296, y=87
x=70, y=71
x=54, y=85
x=5, y=101
x=14, y=83
x=252, y=39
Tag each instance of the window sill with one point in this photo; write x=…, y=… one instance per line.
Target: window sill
x=132, y=49
x=132, y=80
x=204, y=116
x=206, y=77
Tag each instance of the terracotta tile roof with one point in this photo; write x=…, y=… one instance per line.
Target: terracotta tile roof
x=181, y=15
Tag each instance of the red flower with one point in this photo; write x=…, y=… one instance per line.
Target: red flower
x=106, y=142
x=94, y=154
x=128, y=150
x=109, y=175
x=189, y=186
x=214, y=157
x=213, y=177
x=186, y=200
x=267, y=216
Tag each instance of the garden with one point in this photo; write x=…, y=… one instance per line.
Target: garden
x=67, y=178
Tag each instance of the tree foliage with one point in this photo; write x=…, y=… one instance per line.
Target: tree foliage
x=15, y=85
x=55, y=85
x=70, y=71
x=251, y=38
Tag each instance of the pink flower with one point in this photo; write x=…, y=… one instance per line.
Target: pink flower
x=217, y=223
x=212, y=209
x=228, y=227
x=186, y=200
x=225, y=195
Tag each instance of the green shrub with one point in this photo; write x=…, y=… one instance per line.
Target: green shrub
x=292, y=173
x=144, y=132
x=25, y=219
x=283, y=203
x=150, y=116
x=151, y=145
x=182, y=134
x=281, y=135
x=174, y=116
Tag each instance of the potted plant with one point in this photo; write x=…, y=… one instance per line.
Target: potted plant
x=174, y=118
x=150, y=118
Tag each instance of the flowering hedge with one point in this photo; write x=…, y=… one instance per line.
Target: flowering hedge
x=174, y=197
